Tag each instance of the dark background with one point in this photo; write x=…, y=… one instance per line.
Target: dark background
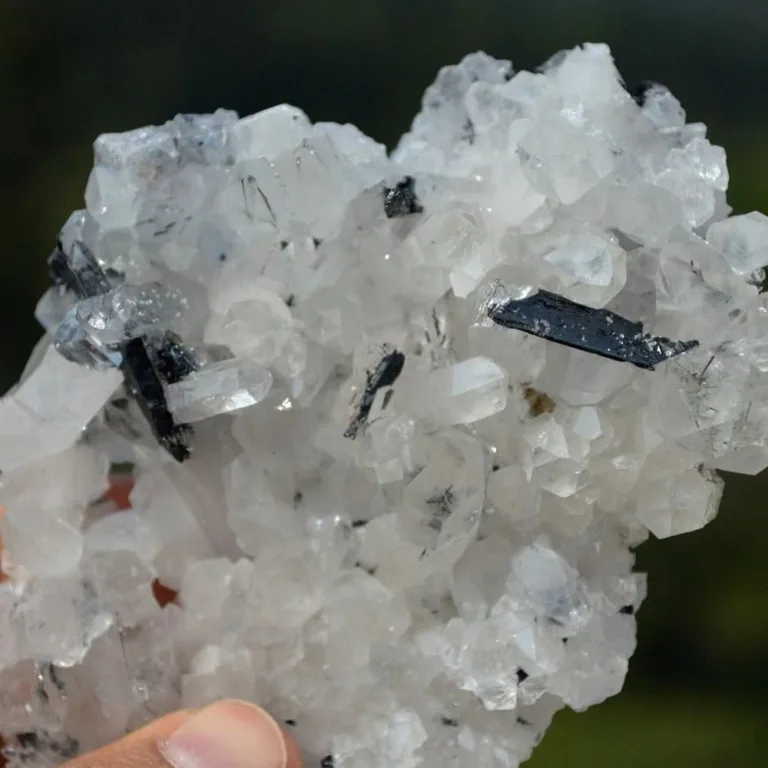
x=697, y=693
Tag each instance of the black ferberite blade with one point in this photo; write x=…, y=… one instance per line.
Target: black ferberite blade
x=147, y=362
x=145, y=385
x=599, y=331
x=78, y=271
x=384, y=375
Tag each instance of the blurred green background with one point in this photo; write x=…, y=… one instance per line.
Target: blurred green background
x=71, y=69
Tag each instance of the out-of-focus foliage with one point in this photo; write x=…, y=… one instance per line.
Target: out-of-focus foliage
x=71, y=69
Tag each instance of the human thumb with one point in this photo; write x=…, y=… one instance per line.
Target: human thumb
x=227, y=734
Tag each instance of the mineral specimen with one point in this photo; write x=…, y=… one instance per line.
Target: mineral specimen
x=395, y=424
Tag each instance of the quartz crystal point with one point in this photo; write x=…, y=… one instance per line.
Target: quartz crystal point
x=394, y=423
x=219, y=388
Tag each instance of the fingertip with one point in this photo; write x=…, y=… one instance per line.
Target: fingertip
x=228, y=734
x=293, y=753
x=139, y=748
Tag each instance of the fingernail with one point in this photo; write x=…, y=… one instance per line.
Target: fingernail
x=228, y=734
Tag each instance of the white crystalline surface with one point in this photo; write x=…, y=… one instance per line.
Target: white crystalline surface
x=403, y=529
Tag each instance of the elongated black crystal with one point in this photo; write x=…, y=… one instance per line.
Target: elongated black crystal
x=384, y=375
x=401, y=199
x=78, y=271
x=147, y=363
x=144, y=383
x=599, y=331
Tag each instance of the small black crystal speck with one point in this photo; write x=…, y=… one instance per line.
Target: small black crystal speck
x=522, y=721
x=449, y=722
x=468, y=132
x=28, y=740
x=327, y=762
x=441, y=505
x=54, y=677
x=401, y=199
x=369, y=569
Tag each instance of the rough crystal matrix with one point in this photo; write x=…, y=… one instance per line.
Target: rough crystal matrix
x=395, y=423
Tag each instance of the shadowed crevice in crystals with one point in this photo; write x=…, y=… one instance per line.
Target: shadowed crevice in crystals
x=598, y=331
x=640, y=92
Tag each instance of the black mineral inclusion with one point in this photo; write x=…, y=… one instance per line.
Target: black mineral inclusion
x=147, y=362
x=144, y=383
x=449, y=722
x=384, y=375
x=79, y=272
x=174, y=360
x=401, y=200
x=599, y=331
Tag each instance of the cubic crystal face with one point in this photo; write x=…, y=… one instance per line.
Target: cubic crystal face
x=393, y=422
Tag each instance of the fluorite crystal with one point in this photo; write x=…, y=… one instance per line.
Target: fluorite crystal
x=395, y=424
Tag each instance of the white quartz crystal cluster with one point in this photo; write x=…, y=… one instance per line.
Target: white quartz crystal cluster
x=400, y=526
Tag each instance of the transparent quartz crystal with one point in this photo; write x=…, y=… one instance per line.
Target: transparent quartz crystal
x=461, y=394
x=93, y=329
x=223, y=387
